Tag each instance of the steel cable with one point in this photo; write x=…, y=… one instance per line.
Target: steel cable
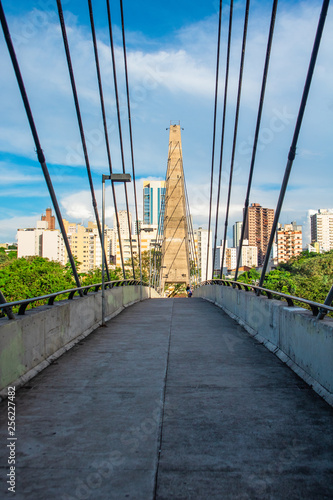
x=131, y=135
x=247, y=8
x=191, y=239
x=120, y=128
x=79, y=119
x=214, y=131
x=106, y=132
x=226, y=81
x=256, y=135
x=40, y=153
x=292, y=150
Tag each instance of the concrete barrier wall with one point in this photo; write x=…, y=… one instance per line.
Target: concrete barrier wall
x=292, y=333
x=31, y=342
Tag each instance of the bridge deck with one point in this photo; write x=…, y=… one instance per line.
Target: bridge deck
x=172, y=400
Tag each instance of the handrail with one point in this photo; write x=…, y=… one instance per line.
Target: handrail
x=71, y=292
x=316, y=307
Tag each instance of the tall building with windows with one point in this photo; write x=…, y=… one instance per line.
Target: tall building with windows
x=236, y=233
x=322, y=229
x=289, y=241
x=48, y=243
x=125, y=231
x=205, y=263
x=249, y=256
x=258, y=228
x=153, y=201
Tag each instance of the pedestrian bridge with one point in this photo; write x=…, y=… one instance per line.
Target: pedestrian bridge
x=173, y=399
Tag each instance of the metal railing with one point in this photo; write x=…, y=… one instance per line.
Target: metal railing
x=82, y=291
x=319, y=310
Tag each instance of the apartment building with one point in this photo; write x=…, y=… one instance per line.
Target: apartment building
x=258, y=228
x=289, y=241
x=322, y=229
x=153, y=201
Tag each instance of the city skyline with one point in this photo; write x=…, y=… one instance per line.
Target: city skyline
x=171, y=75
x=235, y=229
x=46, y=241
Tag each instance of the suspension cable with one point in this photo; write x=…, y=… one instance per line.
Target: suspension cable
x=191, y=239
x=247, y=8
x=106, y=131
x=292, y=150
x=214, y=131
x=186, y=216
x=159, y=235
x=256, y=135
x=131, y=136
x=120, y=129
x=222, y=135
x=79, y=119
x=40, y=153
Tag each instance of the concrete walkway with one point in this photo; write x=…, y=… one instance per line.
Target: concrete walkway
x=172, y=400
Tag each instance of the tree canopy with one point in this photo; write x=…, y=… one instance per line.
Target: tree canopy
x=33, y=276
x=309, y=276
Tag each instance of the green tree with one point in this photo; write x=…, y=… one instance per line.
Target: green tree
x=281, y=281
x=5, y=257
x=148, y=259
x=251, y=277
x=309, y=275
x=32, y=277
x=95, y=276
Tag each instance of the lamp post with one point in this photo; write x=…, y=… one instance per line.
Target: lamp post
x=147, y=230
x=113, y=178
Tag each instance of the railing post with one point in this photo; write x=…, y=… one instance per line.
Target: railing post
x=328, y=302
x=8, y=310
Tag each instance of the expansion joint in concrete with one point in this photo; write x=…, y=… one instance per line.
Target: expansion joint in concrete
x=160, y=437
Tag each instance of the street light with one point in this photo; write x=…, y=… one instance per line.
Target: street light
x=147, y=230
x=112, y=178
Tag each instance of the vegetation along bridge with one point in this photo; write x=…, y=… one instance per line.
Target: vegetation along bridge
x=114, y=384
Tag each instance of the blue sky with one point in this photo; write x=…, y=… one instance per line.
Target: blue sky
x=171, y=60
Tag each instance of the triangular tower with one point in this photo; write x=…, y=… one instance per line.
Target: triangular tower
x=175, y=252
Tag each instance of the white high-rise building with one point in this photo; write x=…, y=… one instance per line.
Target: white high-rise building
x=29, y=240
x=123, y=223
x=48, y=243
x=249, y=255
x=53, y=246
x=204, y=263
x=237, y=232
x=124, y=234
x=322, y=229
x=218, y=258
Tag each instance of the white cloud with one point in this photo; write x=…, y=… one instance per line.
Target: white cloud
x=10, y=174
x=77, y=206
x=8, y=227
x=176, y=81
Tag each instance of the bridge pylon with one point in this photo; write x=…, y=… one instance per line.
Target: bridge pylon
x=175, y=263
